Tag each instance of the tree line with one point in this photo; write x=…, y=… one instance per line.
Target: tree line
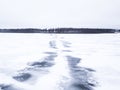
x=59, y=30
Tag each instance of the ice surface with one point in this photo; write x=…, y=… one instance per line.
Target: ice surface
x=59, y=61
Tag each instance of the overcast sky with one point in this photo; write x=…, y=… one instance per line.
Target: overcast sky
x=59, y=13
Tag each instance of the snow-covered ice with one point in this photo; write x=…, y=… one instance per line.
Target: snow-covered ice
x=59, y=61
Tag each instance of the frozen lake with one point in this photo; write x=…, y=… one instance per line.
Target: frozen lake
x=59, y=61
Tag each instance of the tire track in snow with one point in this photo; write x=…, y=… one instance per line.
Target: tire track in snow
x=57, y=71
x=81, y=78
x=28, y=77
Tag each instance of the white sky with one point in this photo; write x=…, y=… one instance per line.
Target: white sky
x=59, y=13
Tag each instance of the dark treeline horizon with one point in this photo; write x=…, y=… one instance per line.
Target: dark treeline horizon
x=59, y=30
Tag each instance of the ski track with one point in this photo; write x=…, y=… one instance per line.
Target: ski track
x=58, y=70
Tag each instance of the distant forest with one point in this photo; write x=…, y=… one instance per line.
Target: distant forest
x=60, y=30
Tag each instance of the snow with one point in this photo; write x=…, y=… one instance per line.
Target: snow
x=98, y=52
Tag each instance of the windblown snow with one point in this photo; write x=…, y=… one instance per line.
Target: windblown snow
x=59, y=61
